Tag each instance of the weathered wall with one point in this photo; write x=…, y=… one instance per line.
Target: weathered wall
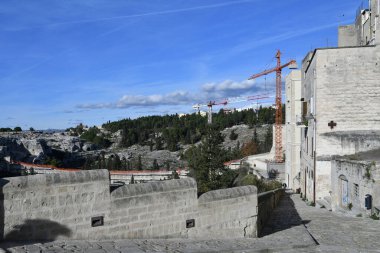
x=227, y=213
x=347, y=36
x=58, y=206
x=323, y=179
x=153, y=210
x=267, y=202
x=52, y=206
x=362, y=177
x=347, y=91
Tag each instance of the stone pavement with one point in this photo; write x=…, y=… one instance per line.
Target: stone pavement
x=293, y=227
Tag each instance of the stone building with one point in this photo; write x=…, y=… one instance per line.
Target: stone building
x=341, y=89
x=292, y=129
x=355, y=179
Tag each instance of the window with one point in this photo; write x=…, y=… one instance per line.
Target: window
x=304, y=109
x=356, y=191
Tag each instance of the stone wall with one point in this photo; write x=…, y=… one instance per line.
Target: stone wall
x=362, y=178
x=153, y=210
x=53, y=206
x=79, y=205
x=293, y=131
x=227, y=213
x=267, y=202
x=347, y=36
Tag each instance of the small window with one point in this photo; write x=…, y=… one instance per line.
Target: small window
x=356, y=190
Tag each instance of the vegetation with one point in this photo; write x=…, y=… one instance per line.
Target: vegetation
x=6, y=129
x=169, y=131
x=367, y=173
x=206, y=163
x=262, y=185
x=94, y=135
x=53, y=161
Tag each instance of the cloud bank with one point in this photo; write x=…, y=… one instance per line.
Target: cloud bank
x=209, y=91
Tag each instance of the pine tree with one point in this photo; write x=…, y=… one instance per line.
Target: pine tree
x=207, y=162
x=139, y=163
x=268, y=139
x=257, y=141
x=155, y=165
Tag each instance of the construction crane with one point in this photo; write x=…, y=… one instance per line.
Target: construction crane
x=210, y=104
x=278, y=121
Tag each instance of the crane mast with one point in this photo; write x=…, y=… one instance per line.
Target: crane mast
x=278, y=120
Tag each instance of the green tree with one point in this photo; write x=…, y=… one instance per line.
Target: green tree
x=268, y=139
x=174, y=175
x=256, y=140
x=31, y=129
x=139, y=163
x=17, y=129
x=206, y=162
x=155, y=165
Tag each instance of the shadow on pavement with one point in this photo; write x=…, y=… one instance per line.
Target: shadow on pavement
x=283, y=217
x=34, y=231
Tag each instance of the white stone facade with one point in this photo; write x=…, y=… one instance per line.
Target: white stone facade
x=341, y=90
x=292, y=129
x=365, y=30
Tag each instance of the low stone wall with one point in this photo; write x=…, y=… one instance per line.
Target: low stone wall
x=152, y=210
x=267, y=202
x=79, y=205
x=53, y=206
x=227, y=213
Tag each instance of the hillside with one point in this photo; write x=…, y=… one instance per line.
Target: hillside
x=153, y=142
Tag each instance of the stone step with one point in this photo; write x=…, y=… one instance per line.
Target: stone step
x=323, y=203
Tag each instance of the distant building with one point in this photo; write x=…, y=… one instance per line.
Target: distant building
x=116, y=176
x=234, y=164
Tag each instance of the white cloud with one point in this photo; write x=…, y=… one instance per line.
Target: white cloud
x=228, y=85
x=209, y=91
x=229, y=88
x=175, y=98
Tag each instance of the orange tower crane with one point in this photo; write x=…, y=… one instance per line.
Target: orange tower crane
x=278, y=122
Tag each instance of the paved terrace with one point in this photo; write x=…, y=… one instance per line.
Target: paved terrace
x=293, y=227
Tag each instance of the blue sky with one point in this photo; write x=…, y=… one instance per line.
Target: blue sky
x=90, y=61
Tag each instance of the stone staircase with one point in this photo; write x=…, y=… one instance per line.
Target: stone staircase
x=324, y=203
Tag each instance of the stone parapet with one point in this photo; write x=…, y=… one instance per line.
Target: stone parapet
x=80, y=205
